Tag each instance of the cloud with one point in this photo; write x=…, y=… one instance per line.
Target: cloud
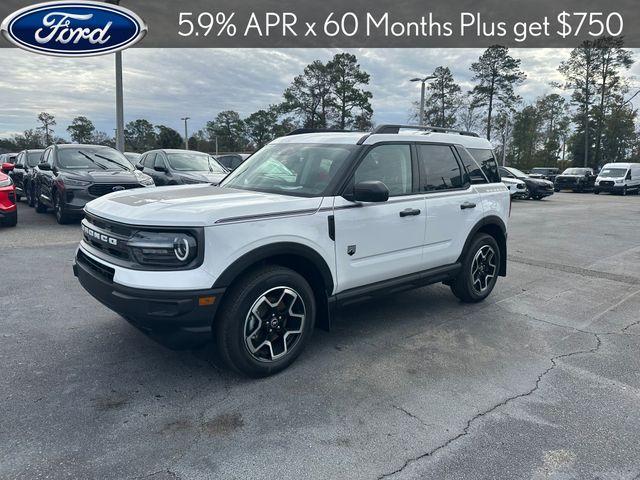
x=163, y=85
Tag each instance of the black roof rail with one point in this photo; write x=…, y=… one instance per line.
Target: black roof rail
x=300, y=131
x=394, y=129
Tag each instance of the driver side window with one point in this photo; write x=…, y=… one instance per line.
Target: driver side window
x=159, y=162
x=389, y=164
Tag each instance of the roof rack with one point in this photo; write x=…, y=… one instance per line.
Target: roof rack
x=428, y=128
x=300, y=131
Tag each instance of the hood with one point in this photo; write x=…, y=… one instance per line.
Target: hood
x=539, y=181
x=570, y=176
x=204, y=177
x=103, y=176
x=195, y=205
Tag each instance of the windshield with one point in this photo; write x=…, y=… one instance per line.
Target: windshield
x=33, y=158
x=576, y=171
x=194, y=162
x=132, y=157
x=100, y=158
x=295, y=169
x=613, y=172
x=543, y=170
x=515, y=172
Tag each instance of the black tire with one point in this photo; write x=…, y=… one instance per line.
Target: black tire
x=234, y=321
x=10, y=221
x=597, y=192
x=624, y=191
x=40, y=207
x=31, y=196
x=18, y=197
x=62, y=216
x=556, y=189
x=463, y=286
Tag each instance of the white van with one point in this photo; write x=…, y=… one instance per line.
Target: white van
x=618, y=177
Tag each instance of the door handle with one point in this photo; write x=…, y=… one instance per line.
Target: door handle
x=407, y=212
x=466, y=205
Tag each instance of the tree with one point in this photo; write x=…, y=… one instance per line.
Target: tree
x=260, y=127
x=580, y=71
x=47, y=121
x=310, y=96
x=527, y=137
x=497, y=73
x=346, y=80
x=469, y=116
x=29, y=139
x=443, y=100
x=81, y=130
x=140, y=135
x=229, y=129
x=552, y=111
x=101, y=138
x=168, y=137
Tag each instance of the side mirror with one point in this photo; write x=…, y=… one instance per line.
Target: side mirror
x=370, y=191
x=7, y=167
x=159, y=168
x=139, y=166
x=18, y=167
x=45, y=167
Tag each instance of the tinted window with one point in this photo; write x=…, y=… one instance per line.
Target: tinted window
x=484, y=156
x=149, y=160
x=193, y=161
x=440, y=167
x=99, y=158
x=476, y=176
x=389, y=164
x=33, y=158
x=159, y=162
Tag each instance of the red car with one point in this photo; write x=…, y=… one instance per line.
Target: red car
x=8, y=208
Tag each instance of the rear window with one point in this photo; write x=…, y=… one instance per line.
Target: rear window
x=484, y=156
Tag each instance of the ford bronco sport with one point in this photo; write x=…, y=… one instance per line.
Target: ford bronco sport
x=310, y=222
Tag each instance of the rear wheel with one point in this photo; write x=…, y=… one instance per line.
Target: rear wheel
x=40, y=207
x=266, y=320
x=480, y=268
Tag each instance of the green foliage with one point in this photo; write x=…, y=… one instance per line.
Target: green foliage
x=229, y=129
x=139, y=136
x=443, y=100
x=81, y=130
x=168, y=138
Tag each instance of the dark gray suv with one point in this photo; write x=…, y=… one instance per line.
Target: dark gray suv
x=69, y=176
x=178, y=167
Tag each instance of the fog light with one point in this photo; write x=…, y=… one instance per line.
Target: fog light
x=206, y=301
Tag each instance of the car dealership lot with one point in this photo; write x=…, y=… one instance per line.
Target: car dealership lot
x=540, y=380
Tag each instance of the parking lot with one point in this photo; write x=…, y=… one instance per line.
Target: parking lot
x=539, y=381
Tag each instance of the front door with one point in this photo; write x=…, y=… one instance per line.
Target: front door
x=379, y=241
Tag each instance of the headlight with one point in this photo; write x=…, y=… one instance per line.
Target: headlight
x=76, y=183
x=619, y=181
x=167, y=249
x=6, y=182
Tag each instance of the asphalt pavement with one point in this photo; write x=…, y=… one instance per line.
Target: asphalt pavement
x=542, y=380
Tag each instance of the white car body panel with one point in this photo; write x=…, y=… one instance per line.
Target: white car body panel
x=621, y=182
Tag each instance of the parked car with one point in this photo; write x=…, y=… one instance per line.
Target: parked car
x=619, y=178
x=231, y=161
x=8, y=158
x=537, y=188
x=271, y=252
x=545, y=173
x=133, y=157
x=24, y=171
x=8, y=207
x=71, y=175
x=517, y=188
x=576, y=179
x=179, y=167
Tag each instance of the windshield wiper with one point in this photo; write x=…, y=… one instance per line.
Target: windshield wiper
x=112, y=161
x=104, y=167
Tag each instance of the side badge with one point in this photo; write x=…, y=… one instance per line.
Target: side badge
x=351, y=249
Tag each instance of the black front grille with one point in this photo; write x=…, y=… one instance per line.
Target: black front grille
x=566, y=181
x=99, y=189
x=107, y=237
x=607, y=183
x=102, y=270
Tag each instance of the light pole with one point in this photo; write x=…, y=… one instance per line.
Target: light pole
x=423, y=81
x=186, y=135
x=119, y=96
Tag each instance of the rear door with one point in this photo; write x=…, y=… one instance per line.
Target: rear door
x=453, y=204
x=380, y=241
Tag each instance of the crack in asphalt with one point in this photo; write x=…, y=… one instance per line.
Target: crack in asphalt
x=408, y=413
x=465, y=431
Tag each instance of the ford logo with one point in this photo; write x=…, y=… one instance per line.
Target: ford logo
x=117, y=188
x=73, y=29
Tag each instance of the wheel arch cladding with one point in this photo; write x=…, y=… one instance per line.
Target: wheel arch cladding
x=300, y=258
x=495, y=227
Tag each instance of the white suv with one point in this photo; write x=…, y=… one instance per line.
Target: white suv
x=308, y=223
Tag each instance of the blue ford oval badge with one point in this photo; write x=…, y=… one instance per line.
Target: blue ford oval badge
x=73, y=29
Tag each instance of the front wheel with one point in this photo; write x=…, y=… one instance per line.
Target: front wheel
x=62, y=216
x=40, y=207
x=624, y=190
x=480, y=268
x=265, y=322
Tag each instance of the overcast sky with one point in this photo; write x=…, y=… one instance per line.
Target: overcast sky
x=164, y=85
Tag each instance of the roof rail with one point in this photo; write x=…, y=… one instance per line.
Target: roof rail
x=394, y=129
x=300, y=131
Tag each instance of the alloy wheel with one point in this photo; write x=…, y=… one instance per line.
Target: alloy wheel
x=274, y=324
x=483, y=268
